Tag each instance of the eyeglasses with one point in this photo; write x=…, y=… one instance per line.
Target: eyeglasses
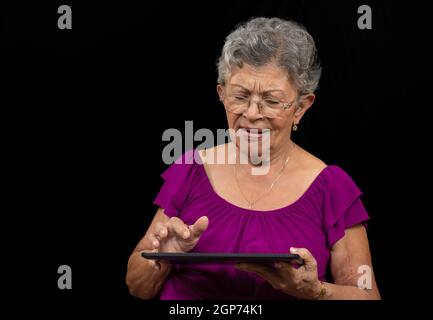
x=269, y=107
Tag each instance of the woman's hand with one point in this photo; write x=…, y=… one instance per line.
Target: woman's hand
x=299, y=282
x=176, y=236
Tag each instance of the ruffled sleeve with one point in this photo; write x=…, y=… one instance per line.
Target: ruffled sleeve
x=177, y=181
x=343, y=207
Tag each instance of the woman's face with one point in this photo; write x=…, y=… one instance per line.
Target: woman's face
x=266, y=82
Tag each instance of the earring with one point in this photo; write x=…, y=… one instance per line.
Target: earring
x=221, y=98
x=295, y=127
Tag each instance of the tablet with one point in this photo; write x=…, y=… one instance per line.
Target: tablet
x=221, y=258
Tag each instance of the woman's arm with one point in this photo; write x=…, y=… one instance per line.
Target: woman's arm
x=347, y=256
x=144, y=278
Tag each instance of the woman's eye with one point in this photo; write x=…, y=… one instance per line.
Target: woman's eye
x=241, y=98
x=271, y=102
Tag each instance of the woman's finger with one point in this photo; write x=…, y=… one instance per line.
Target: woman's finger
x=179, y=228
x=153, y=240
x=310, y=264
x=264, y=272
x=199, y=226
x=160, y=230
x=285, y=269
x=153, y=263
x=162, y=233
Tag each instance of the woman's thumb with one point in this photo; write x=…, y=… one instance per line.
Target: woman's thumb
x=199, y=226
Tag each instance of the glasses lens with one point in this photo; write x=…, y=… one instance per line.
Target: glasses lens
x=236, y=105
x=272, y=108
x=271, y=112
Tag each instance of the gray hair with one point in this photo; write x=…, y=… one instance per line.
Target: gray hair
x=260, y=41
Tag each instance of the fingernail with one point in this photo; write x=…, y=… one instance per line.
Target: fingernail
x=293, y=250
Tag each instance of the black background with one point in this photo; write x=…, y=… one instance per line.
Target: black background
x=86, y=109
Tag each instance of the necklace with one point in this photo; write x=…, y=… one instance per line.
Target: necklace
x=268, y=190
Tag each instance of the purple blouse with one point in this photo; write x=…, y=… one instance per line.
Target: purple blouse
x=315, y=221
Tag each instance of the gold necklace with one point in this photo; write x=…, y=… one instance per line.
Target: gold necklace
x=252, y=203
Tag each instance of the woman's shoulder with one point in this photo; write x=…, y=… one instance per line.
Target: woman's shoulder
x=329, y=176
x=190, y=156
x=183, y=166
x=308, y=165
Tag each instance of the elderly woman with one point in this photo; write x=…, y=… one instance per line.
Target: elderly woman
x=268, y=72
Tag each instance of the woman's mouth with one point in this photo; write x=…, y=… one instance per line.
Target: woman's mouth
x=252, y=133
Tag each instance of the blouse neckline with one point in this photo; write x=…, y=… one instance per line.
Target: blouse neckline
x=278, y=210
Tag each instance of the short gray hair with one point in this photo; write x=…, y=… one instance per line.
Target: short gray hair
x=260, y=41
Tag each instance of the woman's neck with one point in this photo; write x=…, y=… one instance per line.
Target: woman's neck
x=276, y=158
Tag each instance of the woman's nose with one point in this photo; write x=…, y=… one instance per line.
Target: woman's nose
x=253, y=111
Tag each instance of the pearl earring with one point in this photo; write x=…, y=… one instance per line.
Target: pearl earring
x=295, y=127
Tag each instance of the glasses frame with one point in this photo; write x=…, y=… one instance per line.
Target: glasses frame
x=282, y=105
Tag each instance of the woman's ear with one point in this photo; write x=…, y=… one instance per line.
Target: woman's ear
x=305, y=102
x=220, y=90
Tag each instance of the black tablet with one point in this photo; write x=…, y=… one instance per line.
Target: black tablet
x=220, y=258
